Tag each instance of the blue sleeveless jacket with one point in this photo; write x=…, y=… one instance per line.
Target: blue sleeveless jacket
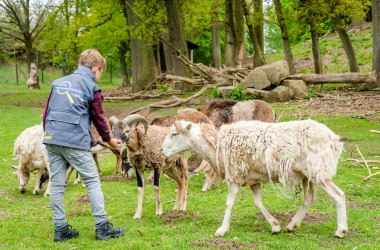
x=68, y=121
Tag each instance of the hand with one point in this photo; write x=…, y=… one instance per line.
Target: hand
x=114, y=143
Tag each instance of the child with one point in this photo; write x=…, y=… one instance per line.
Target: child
x=74, y=102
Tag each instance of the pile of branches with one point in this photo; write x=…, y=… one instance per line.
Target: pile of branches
x=207, y=78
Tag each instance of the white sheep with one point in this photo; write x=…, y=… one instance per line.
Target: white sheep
x=32, y=156
x=251, y=152
x=143, y=146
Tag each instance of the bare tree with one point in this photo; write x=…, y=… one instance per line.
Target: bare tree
x=315, y=45
x=234, y=27
x=123, y=65
x=259, y=58
x=143, y=63
x=258, y=20
x=216, y=26
x=24, y=21
x=376, y=39
x=284, y=35
x=176, y=38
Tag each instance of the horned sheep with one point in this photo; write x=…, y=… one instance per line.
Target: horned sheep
x=297, y=153
x=142, y=145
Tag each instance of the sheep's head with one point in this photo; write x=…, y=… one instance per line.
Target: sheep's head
x=177, y=140
x=125, y=129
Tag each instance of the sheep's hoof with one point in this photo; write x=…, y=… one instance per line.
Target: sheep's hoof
x=220, y=232
x=137, y=217
x=35, y=192
x=22, y=191
x=290, y=228
x=46, y=194
x=159, y=212
x=340, y=233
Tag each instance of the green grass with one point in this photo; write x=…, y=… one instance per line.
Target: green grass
x=26, y=220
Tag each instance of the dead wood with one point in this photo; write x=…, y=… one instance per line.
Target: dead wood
x=374, y=131
x=335, y=78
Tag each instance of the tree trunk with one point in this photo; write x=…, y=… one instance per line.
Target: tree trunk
x=143, y=63
x=315, y=46
x=258, y=21
x=176, y=38
x=252, y=35
x=238, y=16
x=347, y=45
x=284, y=35
x=229, y=41
x=123, y=65
x=216, y=25
x=376, y=39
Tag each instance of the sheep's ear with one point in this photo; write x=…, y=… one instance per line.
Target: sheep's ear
x=211, y=140
x=188, y=127
x=177, y=126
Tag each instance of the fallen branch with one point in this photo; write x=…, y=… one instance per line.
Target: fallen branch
x=335, y=78
x=128, y=98
x=374, y=131
x=360, y=161
x=364, y=160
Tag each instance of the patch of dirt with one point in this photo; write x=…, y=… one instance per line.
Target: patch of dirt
x=355, y=205
x=353, y=104
x=309, y=218
x=2, y=193
x=4, y=214
x=83, y=199
x=120, y=91
x=223, y=244
x=80, y=211
x=174, y=216
x=112, y=178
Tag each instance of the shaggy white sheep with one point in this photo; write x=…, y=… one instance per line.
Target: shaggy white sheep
x=251, y=152
x=32, y=156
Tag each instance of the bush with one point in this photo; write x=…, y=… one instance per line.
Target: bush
x=237, y=94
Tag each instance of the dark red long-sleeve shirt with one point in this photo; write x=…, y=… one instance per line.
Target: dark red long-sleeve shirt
x=97, y=116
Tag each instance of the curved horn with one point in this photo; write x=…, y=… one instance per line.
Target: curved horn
x=136, y=118
x=113, y=120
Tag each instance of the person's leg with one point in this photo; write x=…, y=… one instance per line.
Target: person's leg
x=83, y=162
x=58, y=166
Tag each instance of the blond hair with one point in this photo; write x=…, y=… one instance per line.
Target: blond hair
x=92, y=58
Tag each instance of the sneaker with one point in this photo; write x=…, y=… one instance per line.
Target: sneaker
x=65, y=233
x=106, y=231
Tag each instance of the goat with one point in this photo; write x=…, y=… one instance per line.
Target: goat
x=251, y=152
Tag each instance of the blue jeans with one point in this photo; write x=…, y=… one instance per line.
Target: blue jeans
x=59, y=158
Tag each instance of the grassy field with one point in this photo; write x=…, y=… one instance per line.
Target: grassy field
x=26, y=219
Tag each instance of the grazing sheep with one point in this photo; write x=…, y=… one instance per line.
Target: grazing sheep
x=32, y=156
x=193, y=116
x=143, y=144
x=251, y=152
x=229, y=111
